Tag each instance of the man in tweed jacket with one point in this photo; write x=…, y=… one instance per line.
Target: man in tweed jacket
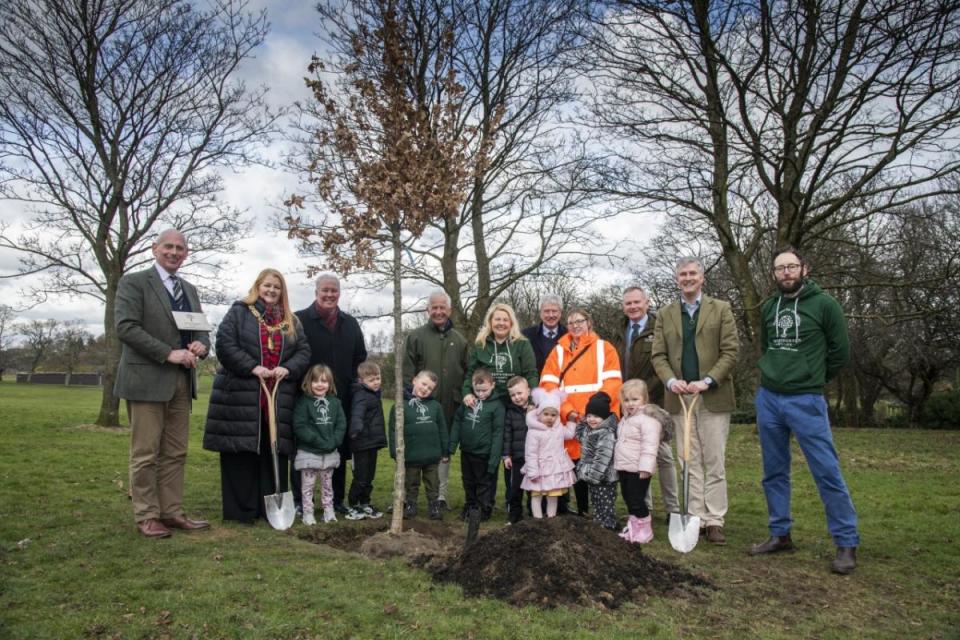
x=157, y=377
x=694, y=351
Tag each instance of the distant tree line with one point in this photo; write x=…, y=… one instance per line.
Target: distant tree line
x=50, y=345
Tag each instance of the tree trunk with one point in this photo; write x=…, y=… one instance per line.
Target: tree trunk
x=451, y=278
x=850, y=395
x=869, y=394
x=109, y=403
x=483, y=301
x=399, y=476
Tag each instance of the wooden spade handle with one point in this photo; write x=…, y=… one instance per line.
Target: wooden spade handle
x=271, y=410
x=687, y=424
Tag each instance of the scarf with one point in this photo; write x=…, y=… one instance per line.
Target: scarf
x=328, y=318
x=271, y=340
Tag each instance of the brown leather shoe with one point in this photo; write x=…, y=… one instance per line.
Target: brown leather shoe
x=182, y=522
x=772, y=545
x=715, y=535
x=153, y=528
x=846, y=560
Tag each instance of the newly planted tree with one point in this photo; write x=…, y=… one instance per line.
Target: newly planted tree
x=532, y=205
x=385, y=164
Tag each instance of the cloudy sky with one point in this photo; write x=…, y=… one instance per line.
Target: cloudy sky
x=281, y=65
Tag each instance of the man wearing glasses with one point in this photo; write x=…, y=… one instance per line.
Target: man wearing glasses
x=803, y=337
x=694, y=351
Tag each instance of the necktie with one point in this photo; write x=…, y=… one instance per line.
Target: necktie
x=551, y=334
x=177, y=290
x=634, y=332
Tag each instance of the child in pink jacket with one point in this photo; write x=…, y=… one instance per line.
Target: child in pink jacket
x=635, y=458
x=547, y=470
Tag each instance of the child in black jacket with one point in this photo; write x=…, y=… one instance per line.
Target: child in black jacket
x=515, y=441
x=367, y=435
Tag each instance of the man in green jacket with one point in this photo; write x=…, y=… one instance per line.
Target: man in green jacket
x=694, y=351
x=438, y=347
x=803, y=337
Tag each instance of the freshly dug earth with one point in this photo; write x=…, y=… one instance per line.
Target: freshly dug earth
x=421, y=542
x=562, y=561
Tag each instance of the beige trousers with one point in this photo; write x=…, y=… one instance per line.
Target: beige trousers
x=708, y=475
x=667, y=473
x=159, y=434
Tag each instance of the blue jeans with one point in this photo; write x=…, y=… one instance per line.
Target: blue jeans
x=804, y=415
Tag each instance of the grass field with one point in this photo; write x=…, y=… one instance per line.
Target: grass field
x=74, y=567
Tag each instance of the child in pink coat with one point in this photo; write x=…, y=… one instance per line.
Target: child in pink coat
x=635, y=458
x=547, y=470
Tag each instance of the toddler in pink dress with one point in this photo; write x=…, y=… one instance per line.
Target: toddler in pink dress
x=548, y=470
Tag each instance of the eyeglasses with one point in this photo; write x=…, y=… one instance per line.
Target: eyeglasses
x=576, y=323
x=781, y=268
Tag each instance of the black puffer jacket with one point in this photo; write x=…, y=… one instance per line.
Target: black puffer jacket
x=233, y=419
x=341, y=349
x=514, y=431
x=367, y=430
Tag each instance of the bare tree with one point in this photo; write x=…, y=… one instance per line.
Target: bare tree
x=904, y=342
x=114, y=116
x=774, y=121
x=531, y=205
x=71, y=345
x=39, y=336
x=388, y=163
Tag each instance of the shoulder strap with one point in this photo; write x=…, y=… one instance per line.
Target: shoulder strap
x=570, y=364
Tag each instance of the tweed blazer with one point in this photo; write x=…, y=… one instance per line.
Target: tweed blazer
x=148, y=333
x=717, y=347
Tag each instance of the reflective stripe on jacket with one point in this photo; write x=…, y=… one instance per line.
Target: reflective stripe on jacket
x=596, y=370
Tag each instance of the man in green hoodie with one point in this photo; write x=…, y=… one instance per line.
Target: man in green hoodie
x=803, y=337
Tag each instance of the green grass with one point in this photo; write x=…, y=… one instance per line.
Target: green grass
x=86, y=573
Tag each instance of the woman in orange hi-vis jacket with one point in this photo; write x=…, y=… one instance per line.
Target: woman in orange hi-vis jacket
x=581, y=364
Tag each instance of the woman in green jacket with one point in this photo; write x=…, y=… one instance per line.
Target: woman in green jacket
x=503, y=351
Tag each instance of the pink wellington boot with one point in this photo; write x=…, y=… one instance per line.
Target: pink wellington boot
x=627, y=533
x=644, y=531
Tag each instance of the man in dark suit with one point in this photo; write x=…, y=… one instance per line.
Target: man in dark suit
x=336, y=340
x=543, y=336
x=694, y=351
x=634, y=343
x=157, y=377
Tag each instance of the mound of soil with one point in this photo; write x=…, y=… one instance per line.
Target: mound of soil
x=562, y=561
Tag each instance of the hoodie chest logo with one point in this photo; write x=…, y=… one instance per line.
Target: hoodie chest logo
x=786, y=330
x=500, y=361
x=323, y=415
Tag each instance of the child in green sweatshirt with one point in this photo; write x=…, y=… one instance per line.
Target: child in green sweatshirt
x=424, y=444
x=319, y=424
x=478, y=430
